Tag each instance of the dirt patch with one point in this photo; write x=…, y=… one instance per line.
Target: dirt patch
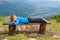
x=31, y=39
x=2, y=37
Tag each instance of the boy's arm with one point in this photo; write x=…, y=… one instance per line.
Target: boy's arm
x=16, y=22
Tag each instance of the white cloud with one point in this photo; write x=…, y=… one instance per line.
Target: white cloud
x=49, y=0
x=54, y=0
x=12, y=1
x=45, y=0
x=0, y=1
x=34, y=1
x=7, y=0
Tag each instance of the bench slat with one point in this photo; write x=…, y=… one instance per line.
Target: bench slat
x=7, y=23
x=46, y=20
x=43, y=21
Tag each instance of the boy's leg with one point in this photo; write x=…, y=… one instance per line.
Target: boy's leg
x=35, y=20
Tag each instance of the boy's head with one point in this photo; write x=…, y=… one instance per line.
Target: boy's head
x=13, y=17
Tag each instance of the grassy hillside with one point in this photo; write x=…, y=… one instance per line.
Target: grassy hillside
x=52, y=31
x=56, y=17
x=2, y=18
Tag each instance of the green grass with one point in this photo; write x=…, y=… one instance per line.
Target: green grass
x=20, y=36
x=54, y=26
x=57, y=17
x=51, y=29
x=2, y=18
x=47, y=38
x=17, y=37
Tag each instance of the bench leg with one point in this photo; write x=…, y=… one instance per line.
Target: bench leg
x=42, y=28
x=12, y=30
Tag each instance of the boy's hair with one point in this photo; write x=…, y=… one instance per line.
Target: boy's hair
x=13, y=17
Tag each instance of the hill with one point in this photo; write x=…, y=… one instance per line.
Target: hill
x=52, y=32
x=27, y=8
x=56, y=17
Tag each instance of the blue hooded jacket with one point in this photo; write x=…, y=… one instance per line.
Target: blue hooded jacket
x=20, y=20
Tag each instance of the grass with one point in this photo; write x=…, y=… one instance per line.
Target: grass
x=51, y=29
x=54, y=25
x=2, y=18
x=17, y=37
x=48, y=38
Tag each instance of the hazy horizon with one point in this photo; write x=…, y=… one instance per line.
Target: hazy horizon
x=24, y=8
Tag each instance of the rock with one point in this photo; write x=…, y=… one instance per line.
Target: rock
x=31, y=39
x=3, y=39
x=56, y=36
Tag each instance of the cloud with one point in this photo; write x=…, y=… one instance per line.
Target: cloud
x=8, y=0
x=13, y=1
x=49, y=0
x=28, y=1
x=44, y=0
x=33, y=0
x=54, y=0
x=0, y=1
x=36, y=1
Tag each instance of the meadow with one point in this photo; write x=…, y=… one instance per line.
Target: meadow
x=52, y=31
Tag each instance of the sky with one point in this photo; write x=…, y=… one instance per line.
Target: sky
x=36, y=0
x=47, y=3
x=28, y=0
x=12, y=1
x=38, y=3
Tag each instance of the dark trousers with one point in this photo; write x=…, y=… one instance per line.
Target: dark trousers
x=35, y=20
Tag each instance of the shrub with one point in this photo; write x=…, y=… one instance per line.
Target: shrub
x=2, y=18
x=57, y=17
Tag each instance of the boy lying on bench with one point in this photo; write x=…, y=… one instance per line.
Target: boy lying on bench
x=20, y=20
x=16, y=20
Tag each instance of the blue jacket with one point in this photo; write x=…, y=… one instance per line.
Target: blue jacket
x=20, y=20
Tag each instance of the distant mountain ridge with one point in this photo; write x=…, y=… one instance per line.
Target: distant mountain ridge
x=29, y=8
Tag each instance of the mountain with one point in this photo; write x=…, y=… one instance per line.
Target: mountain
x=21, y=9
x=30, y=8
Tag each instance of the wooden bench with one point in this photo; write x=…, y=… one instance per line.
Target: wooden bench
x=40, y=29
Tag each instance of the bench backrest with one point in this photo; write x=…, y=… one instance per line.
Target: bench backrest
x=41, y=19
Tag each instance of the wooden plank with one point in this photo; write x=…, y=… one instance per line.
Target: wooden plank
x=45, y=20
x=34, y=20
x=7, y=23
x=31, y=27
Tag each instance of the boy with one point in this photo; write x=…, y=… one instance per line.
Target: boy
x=18, y=20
